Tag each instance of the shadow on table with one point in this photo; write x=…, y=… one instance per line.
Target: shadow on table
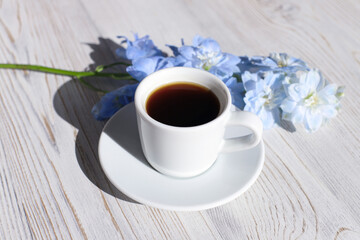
x=73, y=103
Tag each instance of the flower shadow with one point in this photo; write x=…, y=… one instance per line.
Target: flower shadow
x=287, y=125
x=73, y=103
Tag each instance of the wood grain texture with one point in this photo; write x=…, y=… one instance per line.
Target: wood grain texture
x=51, y=183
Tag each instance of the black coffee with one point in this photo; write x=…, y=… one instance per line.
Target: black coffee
x=183, y=104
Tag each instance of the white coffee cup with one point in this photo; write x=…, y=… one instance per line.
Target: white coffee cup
x=189, y=151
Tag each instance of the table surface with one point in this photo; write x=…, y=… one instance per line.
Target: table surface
x=51, y=182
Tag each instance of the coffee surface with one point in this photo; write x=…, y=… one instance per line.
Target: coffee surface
x=183, y=104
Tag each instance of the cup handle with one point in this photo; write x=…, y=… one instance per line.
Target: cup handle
x=248, y=120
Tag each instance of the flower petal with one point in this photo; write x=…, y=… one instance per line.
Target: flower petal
x=297, y=91
x=249, y=80
x=139, y=48
x=298, y=114
x=327, y=91
x=187, y=52
x=328, y=111
x=111, y=102
x=312, y=79
x=205, y=53
x=144, y=66
x=197, y=40
x=237, y=92
x=313, y=121
x=288, y=105
x=340, y=92
x=209, y=45
x=267, y=118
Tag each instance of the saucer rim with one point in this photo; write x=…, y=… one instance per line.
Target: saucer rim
x=196, y=207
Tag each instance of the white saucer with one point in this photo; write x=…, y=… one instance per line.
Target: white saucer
x=124, y=164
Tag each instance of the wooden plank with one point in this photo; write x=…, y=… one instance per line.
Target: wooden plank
x=51, y=183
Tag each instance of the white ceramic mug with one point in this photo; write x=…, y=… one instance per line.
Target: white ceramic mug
x=189, y=151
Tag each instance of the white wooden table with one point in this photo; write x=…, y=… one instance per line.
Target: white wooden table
x=51, y=182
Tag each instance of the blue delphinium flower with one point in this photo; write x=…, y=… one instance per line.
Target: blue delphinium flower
x=288, y=63
x=271, y=87
x=139, y=48
x=254, y=64
x=111, y=102
x=237, y=92
x=264, y=94
x=276, y=62
x=205, y=53
x=311, y=100
x=144, y=66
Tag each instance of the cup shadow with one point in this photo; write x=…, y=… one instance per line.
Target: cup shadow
x=73, y=103
x=124, y=131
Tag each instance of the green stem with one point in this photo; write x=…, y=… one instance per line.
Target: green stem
x=76, y=74
x=101, y=68
x=64, y=72
x=39, y=69
x=92, y=87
